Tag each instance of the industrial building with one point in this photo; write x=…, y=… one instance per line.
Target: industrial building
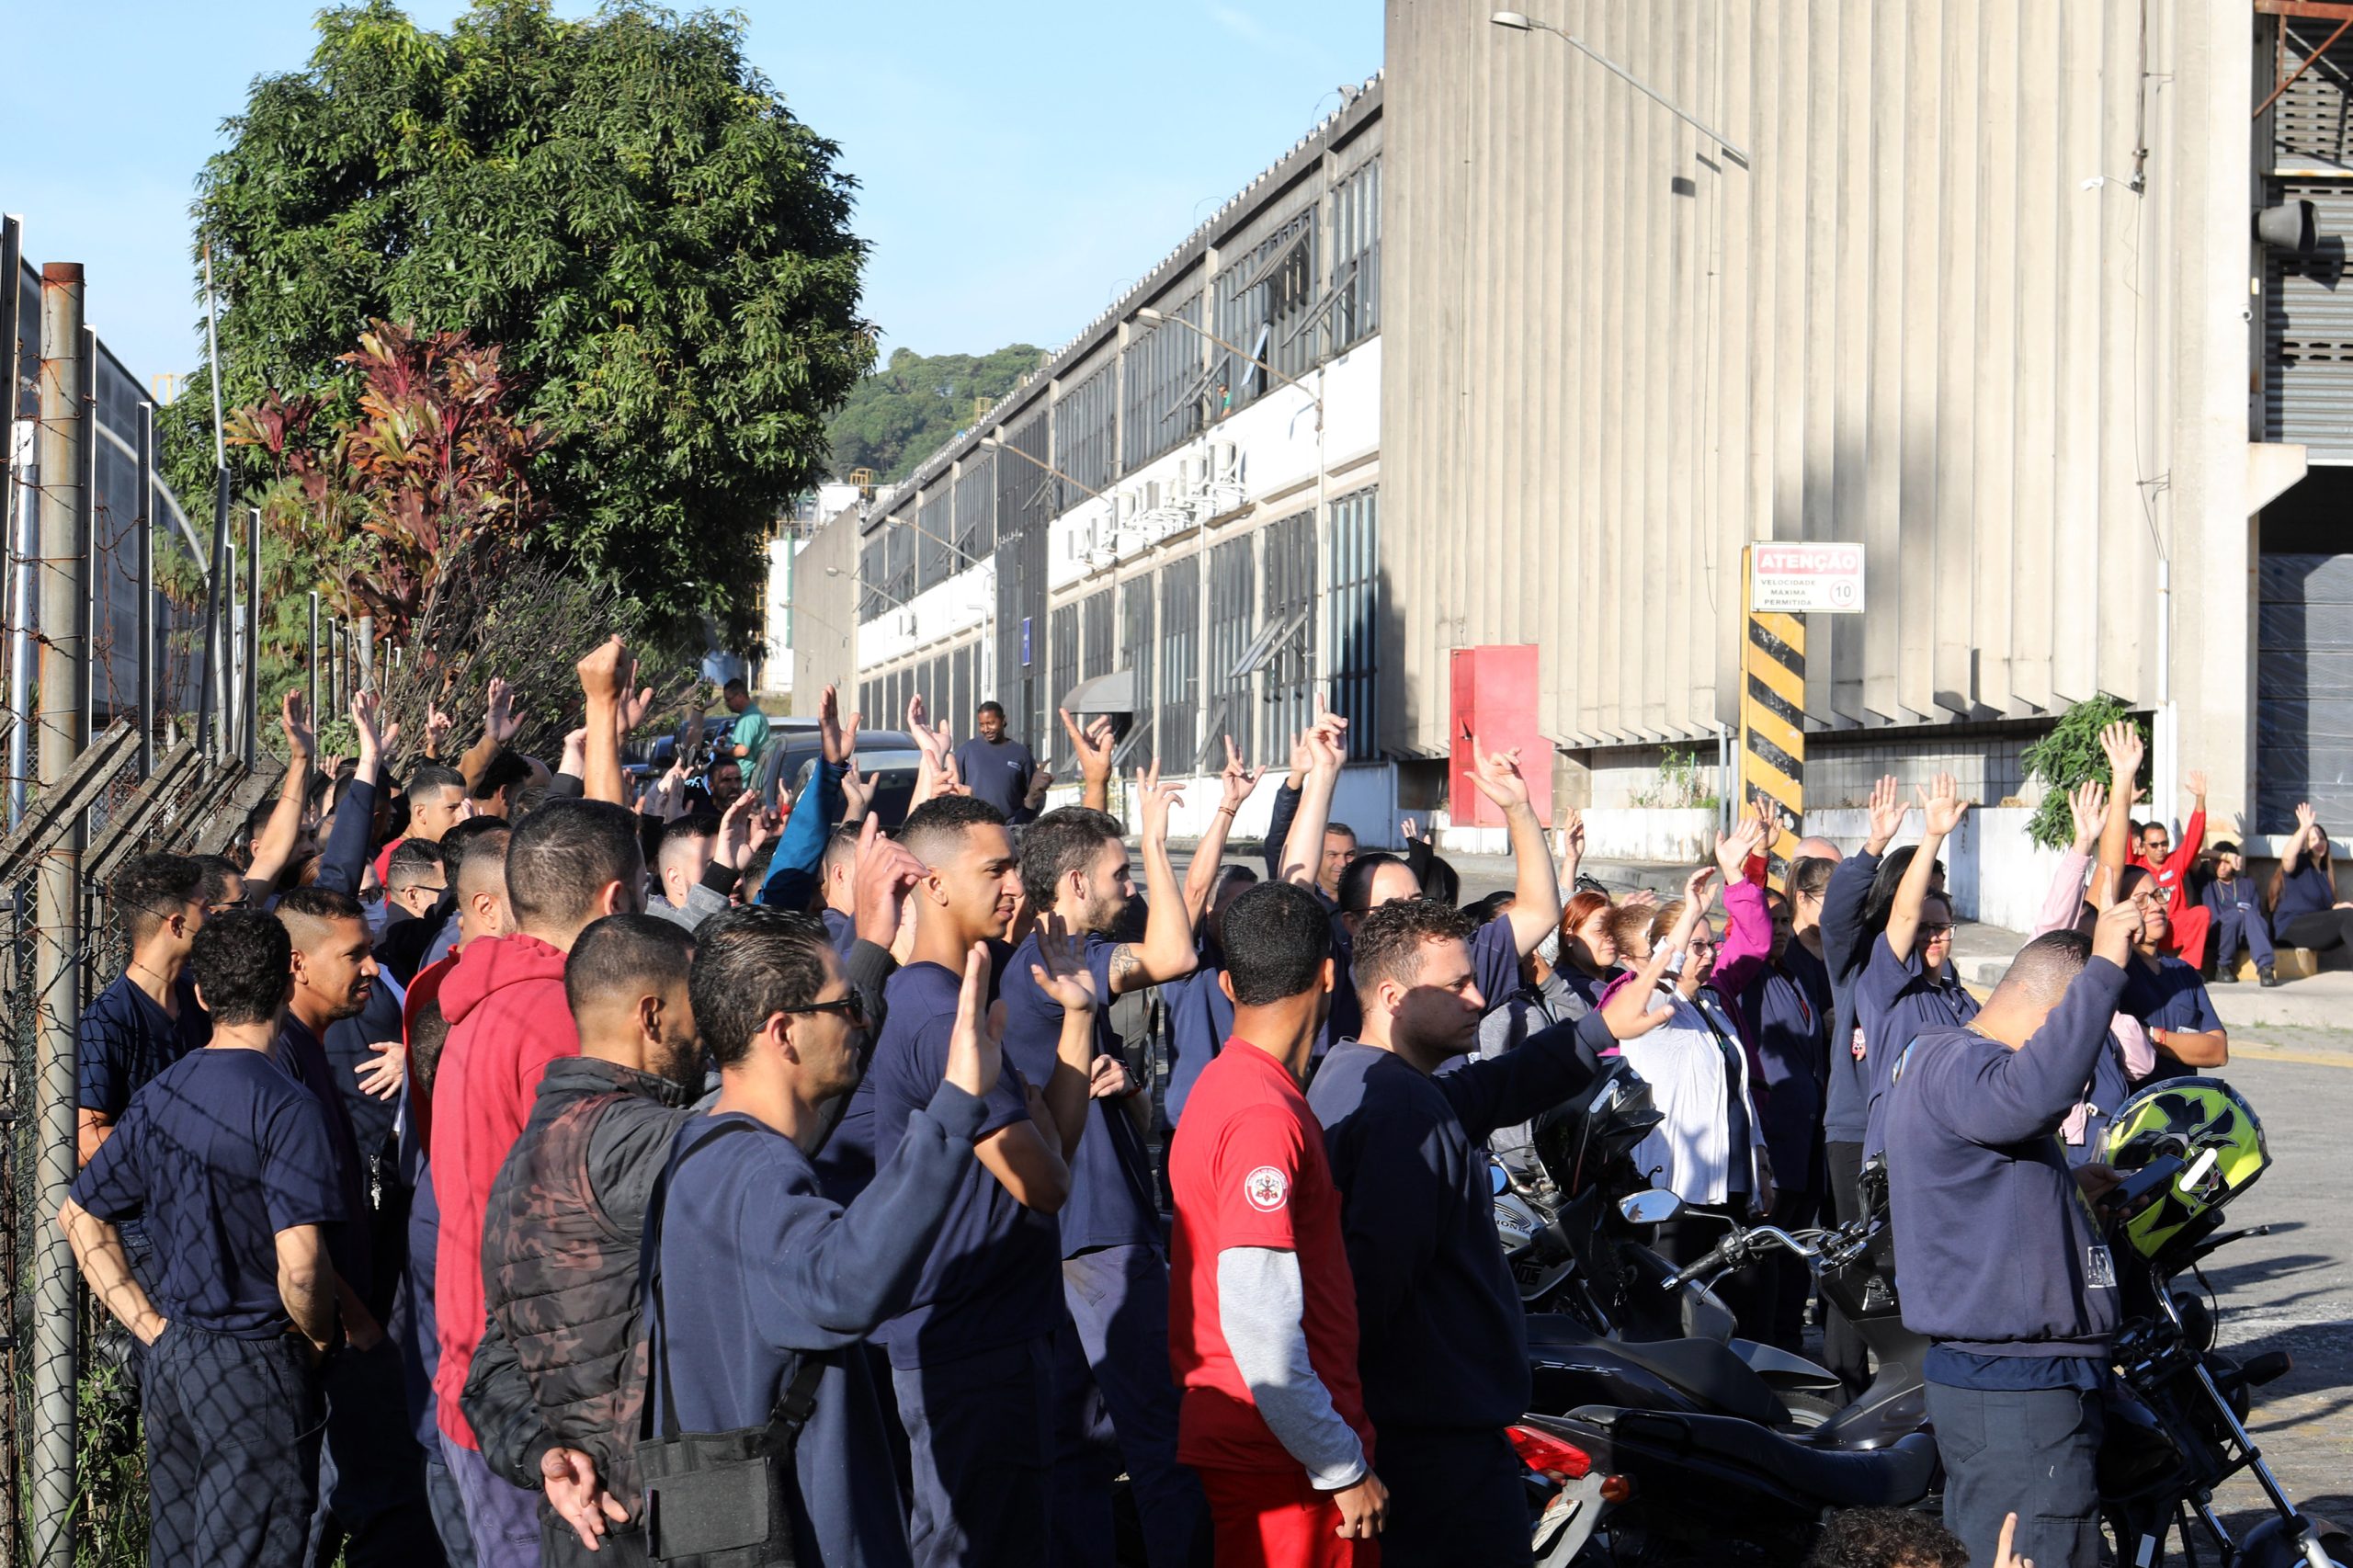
x=1595, y=297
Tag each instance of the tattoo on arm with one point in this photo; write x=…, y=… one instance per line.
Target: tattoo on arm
x=1125, y=962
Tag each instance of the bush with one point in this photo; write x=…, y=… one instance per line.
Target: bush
x=2066, y=756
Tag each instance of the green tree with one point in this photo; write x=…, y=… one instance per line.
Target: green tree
x=623, y=204
x=911, y=407
x=2066, y=757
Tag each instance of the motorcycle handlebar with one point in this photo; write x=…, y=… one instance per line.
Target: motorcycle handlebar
x=1738, y=1245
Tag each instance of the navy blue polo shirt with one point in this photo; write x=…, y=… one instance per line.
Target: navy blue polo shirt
x=1200, y=1020
x=218, y=1153
x=2304, y=891
x=767, y=1269
x=840, y=927
x=997, y=771
x=1111, y=1201
x=994, y=1278
x=1895, y=1001
x=349, y=1046
x=1792, y=1050
x=126, y=1040
x=305, y=1059
x=1847, y=1102
x=2166, y=994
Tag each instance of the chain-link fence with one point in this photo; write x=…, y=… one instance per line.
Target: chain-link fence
x=125, y=717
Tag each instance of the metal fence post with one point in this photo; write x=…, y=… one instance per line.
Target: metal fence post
x=249, y=700
x=64, y=681
x=148, y=662
x=312, y=666
x=212, y=693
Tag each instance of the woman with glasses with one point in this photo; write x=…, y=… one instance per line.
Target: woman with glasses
x=1687, y=1043
x=1908, y=982
x=2165, y=993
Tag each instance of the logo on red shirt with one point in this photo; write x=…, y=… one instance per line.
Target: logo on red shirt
x=1266, y=1189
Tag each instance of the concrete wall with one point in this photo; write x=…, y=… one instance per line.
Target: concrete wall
x=1993, y=872
x=1927, y=310
x=824, y=613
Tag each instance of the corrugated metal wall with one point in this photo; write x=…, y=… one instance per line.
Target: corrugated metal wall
x=1614, y=354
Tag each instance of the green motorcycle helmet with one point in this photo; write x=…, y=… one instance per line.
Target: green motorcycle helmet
x=2189, y=1118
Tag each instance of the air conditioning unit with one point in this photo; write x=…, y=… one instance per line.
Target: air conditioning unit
x=1123, y=506
x=1225, y=464
x=1152, y=488
x=907, y=624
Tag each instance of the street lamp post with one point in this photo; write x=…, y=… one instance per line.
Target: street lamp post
x=1519, y=22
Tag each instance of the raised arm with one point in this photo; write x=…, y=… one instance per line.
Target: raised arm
x=345, y=860
x=1062, y=972
x=2087, y=804
x=1166, y=952
x=1092, y=747
x=1626, y=1005
x=1535, y=909
x=1749, y=935
x=605, y=675
x=2012, y=1096
x=2193, y=833
x=274, y=846
x=1303, y=846
x=795, y=868
x=1235, y=783
x=2122, y=743
x=499, y=725
x=1941, y=810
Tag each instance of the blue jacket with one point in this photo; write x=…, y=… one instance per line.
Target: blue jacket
x=1997, y=1253
x=1848, y=1104
x=801, y=847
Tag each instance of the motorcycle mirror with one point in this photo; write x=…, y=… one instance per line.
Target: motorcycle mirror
x=1655, y=1207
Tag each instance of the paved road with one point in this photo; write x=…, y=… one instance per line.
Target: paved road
x=2292, y=1290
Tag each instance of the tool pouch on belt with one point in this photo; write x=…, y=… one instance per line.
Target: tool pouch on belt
x=716, y=1499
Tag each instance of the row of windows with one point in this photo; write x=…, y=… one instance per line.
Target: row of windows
x=944, y=682
x=1275, y=303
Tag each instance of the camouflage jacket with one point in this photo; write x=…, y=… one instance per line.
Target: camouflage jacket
x=563, y=1360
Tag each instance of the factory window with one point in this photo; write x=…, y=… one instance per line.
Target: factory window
x=1356, y=617
x=1231, y=582
x=1165, y=385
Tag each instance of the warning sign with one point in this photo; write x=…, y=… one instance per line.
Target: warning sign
x=1800, y=579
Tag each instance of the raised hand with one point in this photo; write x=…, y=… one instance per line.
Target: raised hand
x=437, y=726
x=633, y=709
x=1496, y=774
x=1108, y=1079
x=1303, y=758
x=918, y=719
x=575, y=751
x=294, y=716
x=836, y=737
x=2118, y=929
x=1572, y=843
x=1698, y=891
x=2089, y=805
x=2194, y=781
x=976, y=1044
x=1641, y=898
x=605, y=671
x=857, y=792
x=2122, y=743
x=880, y=873
x=1061, y=970
x=1887, y=813
x=736, y=829
x=1154, y=800
x=1941, y=807
x=365, y=707
x=1235, y=781
x=1734, y=848
x=499, y=721
x=1091, y=745
x=1408, y=829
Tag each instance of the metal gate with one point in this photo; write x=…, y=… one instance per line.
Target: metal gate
x=2308, y=329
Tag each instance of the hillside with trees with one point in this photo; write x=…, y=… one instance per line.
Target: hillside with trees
x=903, y=412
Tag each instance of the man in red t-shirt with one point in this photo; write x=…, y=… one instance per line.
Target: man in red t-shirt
x=2153, y=847
x=1262, y=1320
x=571, y=862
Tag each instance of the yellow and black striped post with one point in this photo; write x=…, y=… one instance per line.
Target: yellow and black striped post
x=1772, y=715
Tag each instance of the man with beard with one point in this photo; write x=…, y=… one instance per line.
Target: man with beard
x=1443, y=1341
x=371, y=1480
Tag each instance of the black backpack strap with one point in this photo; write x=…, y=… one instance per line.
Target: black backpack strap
x=657, y=1360
x=798, y=1400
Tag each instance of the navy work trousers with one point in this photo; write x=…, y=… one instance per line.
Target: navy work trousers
x=502, y=1518
x=1116, y=1408
x=2236, y=928
x=232, y=1449
x=2023, y=1451
x=981, y=1442
x=1457, y=1499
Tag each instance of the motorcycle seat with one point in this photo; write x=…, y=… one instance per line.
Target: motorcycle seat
x=1843, y=1478
x=1712, y=1373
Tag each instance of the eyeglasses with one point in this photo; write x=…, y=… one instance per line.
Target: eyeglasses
x=848, y=1006
x=1934, y=931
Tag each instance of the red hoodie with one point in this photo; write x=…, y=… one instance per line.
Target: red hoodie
x=507, y=1020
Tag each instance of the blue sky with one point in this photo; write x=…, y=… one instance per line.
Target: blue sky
x=1019, y=164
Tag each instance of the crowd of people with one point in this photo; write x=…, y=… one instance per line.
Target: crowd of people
x=503, y=1164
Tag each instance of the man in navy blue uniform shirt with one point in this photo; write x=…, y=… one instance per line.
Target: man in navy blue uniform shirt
x=1111, y=1357
x=1444, y=1346
x=228, y=1161
x=148, y=1018
x=971, y=1356
x=994, y=767
x=763, y=1270
x=2234, y=906
x=2004, y=1262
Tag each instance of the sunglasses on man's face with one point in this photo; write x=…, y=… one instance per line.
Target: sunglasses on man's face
x=848, y=1006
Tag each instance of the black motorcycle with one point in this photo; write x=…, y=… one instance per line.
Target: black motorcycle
x=2177, y=1424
